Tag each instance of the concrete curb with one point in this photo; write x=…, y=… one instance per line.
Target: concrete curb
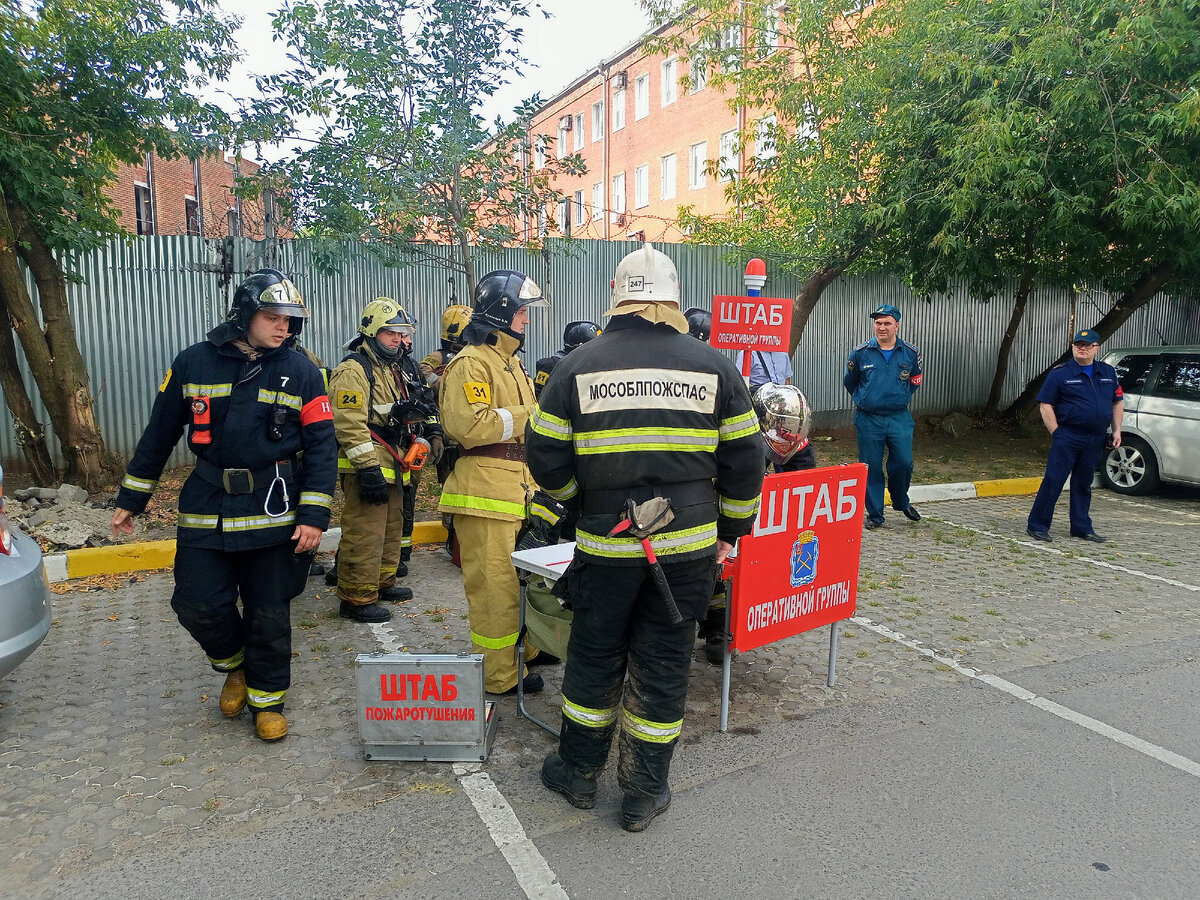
x=137, y=557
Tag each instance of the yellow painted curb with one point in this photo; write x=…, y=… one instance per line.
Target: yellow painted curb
x=1001, y=487
x=429, y=533
x=120, y=558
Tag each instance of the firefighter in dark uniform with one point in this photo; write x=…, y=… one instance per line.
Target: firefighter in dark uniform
x=574, y=335
x=1078, y=402
x=882, y=374
x=642, y=412
x=486, y=400
x=380, y=406
x=253, y=510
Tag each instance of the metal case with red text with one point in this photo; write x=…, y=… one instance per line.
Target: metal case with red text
x=424, y=706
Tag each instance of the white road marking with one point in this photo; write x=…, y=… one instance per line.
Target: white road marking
x=1174, y=513
x=533, y=873
x=1182, y=763
x=386, y=637
x=1046, y=548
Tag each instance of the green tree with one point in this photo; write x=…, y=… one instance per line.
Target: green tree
x=88, y=84
x=390, y=92
x=1001, y=143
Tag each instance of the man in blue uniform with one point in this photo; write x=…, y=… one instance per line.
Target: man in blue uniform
x=252, y=511
x=1078, y=401
x=882, y=374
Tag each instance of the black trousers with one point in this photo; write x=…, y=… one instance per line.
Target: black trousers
x=408, y=496
x=258, y=637
x=627, y=665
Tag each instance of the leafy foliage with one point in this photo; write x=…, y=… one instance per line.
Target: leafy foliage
x=90, y=84
x=393, y=90
x=970, y=140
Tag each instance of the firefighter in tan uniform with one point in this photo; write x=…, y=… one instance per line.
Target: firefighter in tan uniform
x=486, y=400
x=376, y=421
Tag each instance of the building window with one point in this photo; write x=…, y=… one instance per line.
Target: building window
x=670, y=88
x=667, y=177
x=728, y=168
x=770, y=32
x=697, y=71
x=191, y=215
x=764, y=139
x=597, y=121
x=641, y=97
x=578, y=131
x=542, y=222
x=597, y=200
x=539, y=153
x=641, y=186
x=618, y=197
x=141, y=206
x=697, y=159
x=563, y=124
x=618, y=111
x=578, y=216
x=731, y=42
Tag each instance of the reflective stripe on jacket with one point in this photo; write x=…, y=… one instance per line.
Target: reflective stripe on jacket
x=643, y=410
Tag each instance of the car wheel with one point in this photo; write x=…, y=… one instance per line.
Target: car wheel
x=1130, y=468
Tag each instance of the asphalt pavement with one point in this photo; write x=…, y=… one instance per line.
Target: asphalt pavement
x=1010, y=719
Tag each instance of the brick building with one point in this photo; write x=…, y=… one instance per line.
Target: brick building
x=184, y=196
x=650, y=130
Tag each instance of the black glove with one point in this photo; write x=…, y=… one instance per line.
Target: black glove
x=372, y=486
x=436, y=448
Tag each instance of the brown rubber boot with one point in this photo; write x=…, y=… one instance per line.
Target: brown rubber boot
x=270, y=726
x=233, y=695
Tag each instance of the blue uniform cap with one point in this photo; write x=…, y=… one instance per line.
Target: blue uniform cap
x=887, y=310
x=1087, y=336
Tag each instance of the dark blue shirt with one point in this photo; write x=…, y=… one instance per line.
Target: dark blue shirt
x=1082, y=403
x=879, y=382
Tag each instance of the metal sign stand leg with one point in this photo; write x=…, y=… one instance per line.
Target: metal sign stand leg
x=521, y=710
x=831, y=672
x=725, y=663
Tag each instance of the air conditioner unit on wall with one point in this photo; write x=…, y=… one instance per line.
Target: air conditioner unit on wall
x=620, y=80
x=565, y=123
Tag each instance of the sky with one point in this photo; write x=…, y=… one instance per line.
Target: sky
x=577, y=35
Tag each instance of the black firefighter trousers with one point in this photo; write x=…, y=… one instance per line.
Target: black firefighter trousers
x=259, y=637
x=621, y=627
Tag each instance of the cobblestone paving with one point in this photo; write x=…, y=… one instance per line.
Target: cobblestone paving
x=111, y=738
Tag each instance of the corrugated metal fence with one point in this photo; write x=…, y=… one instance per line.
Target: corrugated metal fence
x=140, y=301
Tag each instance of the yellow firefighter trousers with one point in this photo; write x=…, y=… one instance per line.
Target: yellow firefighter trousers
x=493, y=597
x=369, y=550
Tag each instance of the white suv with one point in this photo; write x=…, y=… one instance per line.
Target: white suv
x=1160, y=436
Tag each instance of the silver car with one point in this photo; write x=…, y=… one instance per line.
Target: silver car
x=24, y=594
x=1161, y=430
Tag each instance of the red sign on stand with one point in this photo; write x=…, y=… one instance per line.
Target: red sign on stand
x=798, y=570
x=751, y=323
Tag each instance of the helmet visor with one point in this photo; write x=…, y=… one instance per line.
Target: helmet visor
x=530, y=294
x=285, y=299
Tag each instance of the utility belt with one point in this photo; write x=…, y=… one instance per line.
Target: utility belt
x=511, y=452
x=681, y=493
x=244, y=481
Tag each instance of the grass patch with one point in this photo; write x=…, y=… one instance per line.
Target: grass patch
x=863, y=654
x=991, y=612
x=958, y=618
x=306, y=623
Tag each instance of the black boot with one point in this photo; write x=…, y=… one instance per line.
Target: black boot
x=397, y=593
x=371, y=612
x=562, y=778
x=637, y=810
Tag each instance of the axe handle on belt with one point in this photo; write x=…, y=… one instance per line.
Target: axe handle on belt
x=660, y=577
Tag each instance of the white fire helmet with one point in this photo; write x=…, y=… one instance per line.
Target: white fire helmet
x=647, y=284
x=784, y=418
